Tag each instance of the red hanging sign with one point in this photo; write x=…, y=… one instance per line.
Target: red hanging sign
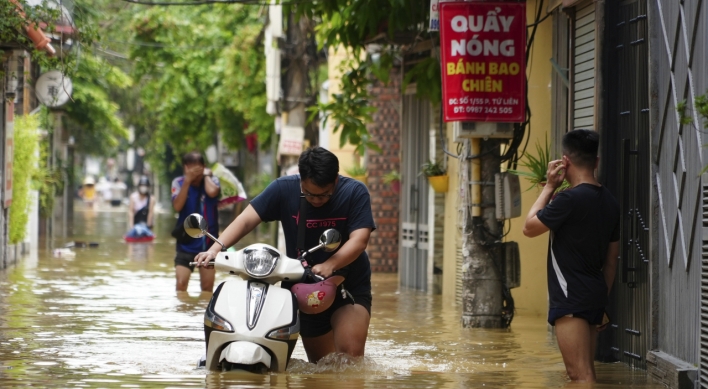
x=483, y=52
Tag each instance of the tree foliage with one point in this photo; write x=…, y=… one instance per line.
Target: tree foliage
x=201, y=74
x=243, y=85
x=23, y=172
x=93, y=115
x=388, y=26
x=354, y=23
x=351, y=110
x=179, y=76
x=13, y=24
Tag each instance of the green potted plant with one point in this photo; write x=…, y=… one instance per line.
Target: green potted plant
x=357, y=172
x=536, y=167
x=437, y=176
x=393, y=178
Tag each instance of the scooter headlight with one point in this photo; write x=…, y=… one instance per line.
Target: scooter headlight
x=259, y=260
x=213, y=320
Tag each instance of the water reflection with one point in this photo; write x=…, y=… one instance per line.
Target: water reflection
x=140, y=251
x=109, y=317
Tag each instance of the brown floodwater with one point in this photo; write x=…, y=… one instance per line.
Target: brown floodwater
x=110, y=318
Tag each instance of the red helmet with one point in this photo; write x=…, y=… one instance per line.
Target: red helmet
x=315, y=298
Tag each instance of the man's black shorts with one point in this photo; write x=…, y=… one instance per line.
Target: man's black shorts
x=183, y=259
x=592, y=316
x=312, y=326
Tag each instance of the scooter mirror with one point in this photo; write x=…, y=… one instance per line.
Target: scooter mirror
x=195, y=225
x=330, y=239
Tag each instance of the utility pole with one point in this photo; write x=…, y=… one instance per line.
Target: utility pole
x=482, y=299
x=294, y=105
x=300, y=57
x=296, y=79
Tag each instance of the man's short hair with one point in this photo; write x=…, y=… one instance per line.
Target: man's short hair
x=318, y=165
x=192, y=158
x=581, y=147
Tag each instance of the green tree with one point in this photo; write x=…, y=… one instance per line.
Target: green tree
x=356, y=24
x=24, y=169
x=93, y=114
x=13, y=24
x=201, y=73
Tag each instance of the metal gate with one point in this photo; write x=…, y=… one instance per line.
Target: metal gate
x=704, y=296
x=413, y=255
x=629, y=135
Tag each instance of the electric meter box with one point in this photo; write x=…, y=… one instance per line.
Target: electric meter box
x=507, y=190
x=466, y=130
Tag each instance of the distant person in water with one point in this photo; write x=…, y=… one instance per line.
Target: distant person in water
x=88, y=191
x=197, y=191
x=118, y=189
x=141, y=211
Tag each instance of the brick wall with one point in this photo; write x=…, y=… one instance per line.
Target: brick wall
x=385, y=130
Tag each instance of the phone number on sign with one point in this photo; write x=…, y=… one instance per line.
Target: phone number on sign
x=482, y=109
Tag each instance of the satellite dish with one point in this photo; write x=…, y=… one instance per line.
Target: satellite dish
x=53, y=89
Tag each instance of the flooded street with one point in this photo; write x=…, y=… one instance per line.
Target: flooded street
x=110, y=318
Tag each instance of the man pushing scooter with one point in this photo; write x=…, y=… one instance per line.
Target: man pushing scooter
x=332, y=201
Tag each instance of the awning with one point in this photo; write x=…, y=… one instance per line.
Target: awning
x=571, y=3
x=41, y=41
x=553, y=5
x=565, y=3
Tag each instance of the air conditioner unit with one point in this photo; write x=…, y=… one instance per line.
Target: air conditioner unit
x=465, y=130
x=507, y=190
x=511, y=265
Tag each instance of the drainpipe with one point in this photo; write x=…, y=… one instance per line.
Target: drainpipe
x=476, y=178
x=41, y=41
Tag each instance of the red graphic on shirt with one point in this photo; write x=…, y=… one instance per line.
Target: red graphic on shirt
x=319, y=223
x=324, y=223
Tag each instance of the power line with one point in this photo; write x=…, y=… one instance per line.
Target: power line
x=166, y=46
x=111, y=52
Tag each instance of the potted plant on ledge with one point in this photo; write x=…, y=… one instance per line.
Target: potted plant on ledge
x=437, y=176
x=393, y=178
x=357, y=172
x=537, y=166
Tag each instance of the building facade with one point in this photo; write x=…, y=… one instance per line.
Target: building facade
x=635, y=71
x=645, y=90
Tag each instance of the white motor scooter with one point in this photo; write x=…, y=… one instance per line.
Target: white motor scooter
x=250, y=323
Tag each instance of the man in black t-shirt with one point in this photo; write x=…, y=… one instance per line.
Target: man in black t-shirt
x=335, y=202
x=582, y=252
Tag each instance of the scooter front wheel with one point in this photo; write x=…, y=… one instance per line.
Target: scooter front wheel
x=258, y=368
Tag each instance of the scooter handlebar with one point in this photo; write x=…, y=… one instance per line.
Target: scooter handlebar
x=309, y=273
x=210, y=264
